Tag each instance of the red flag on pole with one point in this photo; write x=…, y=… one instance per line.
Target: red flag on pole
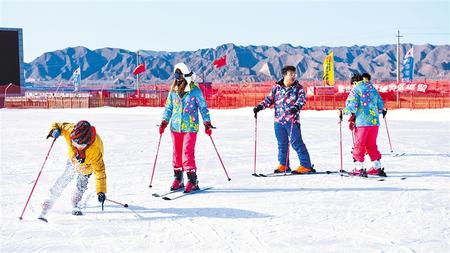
x=139, y=69
x=220, y=62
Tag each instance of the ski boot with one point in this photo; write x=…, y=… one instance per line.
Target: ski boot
x=178, y=180
x=358, y=170
x=376, y=169
x=192, y=184
x=77, y=211
x=303, y=170
x=282, y=169
x=358, y=173
x=45, y=208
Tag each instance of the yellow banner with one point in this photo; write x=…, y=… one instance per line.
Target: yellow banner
x=328, y=70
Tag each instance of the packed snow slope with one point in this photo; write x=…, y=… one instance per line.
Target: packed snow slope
x=306, y=213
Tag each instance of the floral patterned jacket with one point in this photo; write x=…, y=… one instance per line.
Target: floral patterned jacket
x=366, y=103
x=182, y=112
x=284, y=98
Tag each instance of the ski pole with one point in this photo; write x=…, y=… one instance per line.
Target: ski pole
x=340, y=140
x=35, y=181
x=387, y=130
x=289, y=144
x=353, y=137
x=118, y=203
x=156, y=158
x=256, y=135
x=353, y=140
x=226, y=173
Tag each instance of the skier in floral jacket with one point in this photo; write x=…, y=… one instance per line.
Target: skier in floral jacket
x=288, y=97
x=184, y=101
x=364, y=103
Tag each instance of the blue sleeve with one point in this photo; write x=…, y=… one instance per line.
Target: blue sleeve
x=380, y=103
x=352, y=102
x=202, y=105
x=169, y=107
x=301, y=98
x=270, y=99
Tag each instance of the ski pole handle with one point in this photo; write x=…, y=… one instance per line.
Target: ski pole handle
x=340, y=115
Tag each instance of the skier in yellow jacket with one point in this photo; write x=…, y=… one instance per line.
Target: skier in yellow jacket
x=85, y=157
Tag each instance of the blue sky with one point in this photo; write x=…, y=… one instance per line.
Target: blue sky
x=191, y=25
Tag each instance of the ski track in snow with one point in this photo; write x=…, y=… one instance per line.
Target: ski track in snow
x=307, y=213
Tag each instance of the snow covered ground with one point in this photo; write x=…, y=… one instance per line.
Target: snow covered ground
x=306, y=213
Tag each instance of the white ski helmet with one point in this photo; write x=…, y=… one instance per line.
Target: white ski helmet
x=187, y=73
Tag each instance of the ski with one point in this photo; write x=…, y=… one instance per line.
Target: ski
x=77, y=212
x=395, y=154
x=167, y=193
x=366, y=177
x=184, y=194
x=291, y=174
x=369, y=177
x=43, y=219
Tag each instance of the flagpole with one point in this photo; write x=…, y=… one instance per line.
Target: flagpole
x=137, y=76
x=398, y=64
x=412, y=52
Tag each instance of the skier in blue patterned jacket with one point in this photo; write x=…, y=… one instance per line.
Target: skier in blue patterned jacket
x=288, y=97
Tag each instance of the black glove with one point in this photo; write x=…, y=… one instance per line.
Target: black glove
x=384, y=112
x=293, y=110
x=101, y=197
x=257, y=109
x=80, y=157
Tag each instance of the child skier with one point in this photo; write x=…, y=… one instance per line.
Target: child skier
x=85, y=157
x=184, y=101
x=364, y=103
x=288, y=97
x=353, y=81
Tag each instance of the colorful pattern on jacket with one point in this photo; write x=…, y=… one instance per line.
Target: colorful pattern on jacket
x=182, y=112
x=94, y=156
x=284, y=98
x=366, y=103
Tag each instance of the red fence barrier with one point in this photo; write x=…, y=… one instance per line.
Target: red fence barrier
x=229, y=96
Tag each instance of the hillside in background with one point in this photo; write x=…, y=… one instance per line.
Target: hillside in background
x=244, y=63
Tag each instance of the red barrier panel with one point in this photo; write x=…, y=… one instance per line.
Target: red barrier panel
x=229, y=96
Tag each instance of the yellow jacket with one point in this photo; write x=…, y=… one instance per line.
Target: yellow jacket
x=94, y=156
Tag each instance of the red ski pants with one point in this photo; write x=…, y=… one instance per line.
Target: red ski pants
x=184, y=151
x=366, y=141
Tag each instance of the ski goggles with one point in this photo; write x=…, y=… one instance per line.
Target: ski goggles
x=79, y=146
x=178, y=75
